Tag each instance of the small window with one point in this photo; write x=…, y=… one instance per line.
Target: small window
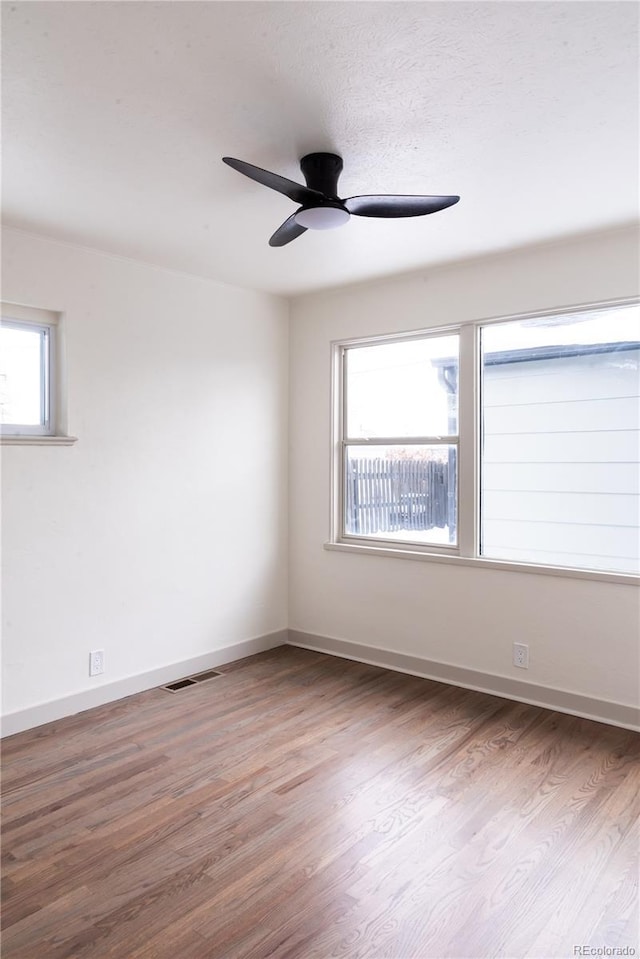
x=400, y=440
x=27, y=371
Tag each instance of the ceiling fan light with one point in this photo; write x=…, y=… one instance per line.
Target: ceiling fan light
x=322, y=217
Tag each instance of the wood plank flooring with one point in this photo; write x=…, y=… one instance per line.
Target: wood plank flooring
x=301, y=806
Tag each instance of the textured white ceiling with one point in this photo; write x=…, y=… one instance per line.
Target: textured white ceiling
x=116, y=116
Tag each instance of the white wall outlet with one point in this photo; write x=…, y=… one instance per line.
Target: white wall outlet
x=521, y=655
x=96, y=662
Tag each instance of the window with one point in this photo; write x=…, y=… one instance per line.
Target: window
x=401, y=439
x=560, y=440
x=511, y=441
x=27, y=372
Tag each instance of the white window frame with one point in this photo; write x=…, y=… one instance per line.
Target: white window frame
x=48, y=431
x=344, y=441
x=467, y=552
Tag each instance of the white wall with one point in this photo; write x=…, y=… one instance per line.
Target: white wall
x=583, y=635
x=161, y=535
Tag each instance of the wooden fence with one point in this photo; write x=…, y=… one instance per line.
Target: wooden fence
x=384, y=496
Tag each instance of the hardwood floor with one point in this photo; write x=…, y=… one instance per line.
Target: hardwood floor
x=304, y=807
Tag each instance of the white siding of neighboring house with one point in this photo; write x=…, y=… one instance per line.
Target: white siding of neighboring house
x=561, y=471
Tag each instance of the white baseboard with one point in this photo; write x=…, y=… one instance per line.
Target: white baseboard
x=587, y=707
x=604, y=711
x=109, y=692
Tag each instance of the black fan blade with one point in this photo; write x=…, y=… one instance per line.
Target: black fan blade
x=390, y=206
x=295, y=191
x=287, y=232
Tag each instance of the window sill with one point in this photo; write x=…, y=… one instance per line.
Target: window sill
x=8, y=440
x=625, y=579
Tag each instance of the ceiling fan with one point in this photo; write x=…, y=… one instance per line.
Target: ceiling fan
x=320, y=206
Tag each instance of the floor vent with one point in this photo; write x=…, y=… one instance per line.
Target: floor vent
x=201, y=677
x=191, y=681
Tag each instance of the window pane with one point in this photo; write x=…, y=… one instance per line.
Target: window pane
x=402, y=493
x=20, y=376
x=561, y=440
x=407, y=388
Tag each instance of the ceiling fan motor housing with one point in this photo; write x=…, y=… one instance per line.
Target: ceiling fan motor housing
x=321, y=171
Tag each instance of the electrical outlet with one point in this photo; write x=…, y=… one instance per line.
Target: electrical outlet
x=521, y=655
x=96, y=662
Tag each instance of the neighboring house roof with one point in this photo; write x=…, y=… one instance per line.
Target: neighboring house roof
x=556, y=352
x=530, y=354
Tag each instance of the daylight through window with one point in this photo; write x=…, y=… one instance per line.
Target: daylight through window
x=27, y=350
x=401, y=442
